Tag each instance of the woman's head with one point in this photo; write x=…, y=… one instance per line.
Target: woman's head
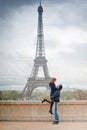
x=53, y=79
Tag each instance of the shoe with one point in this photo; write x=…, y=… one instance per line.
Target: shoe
x=44, y=100
x=55, y=122
x=50, y=112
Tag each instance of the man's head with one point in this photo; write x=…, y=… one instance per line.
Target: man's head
x=60, y=86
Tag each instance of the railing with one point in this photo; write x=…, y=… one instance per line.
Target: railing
x=25, y=110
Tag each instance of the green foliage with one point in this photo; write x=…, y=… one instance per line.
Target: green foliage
x=80, y=95
x=11, y=95
x=0, y=95
x=74, y=95
x=39, y=95
x=65, y=95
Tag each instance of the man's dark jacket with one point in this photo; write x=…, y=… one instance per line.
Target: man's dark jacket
x=55, y=92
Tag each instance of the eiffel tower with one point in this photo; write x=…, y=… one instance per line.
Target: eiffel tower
x=40, y=61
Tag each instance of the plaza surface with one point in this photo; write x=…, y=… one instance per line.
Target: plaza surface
x=25, y=125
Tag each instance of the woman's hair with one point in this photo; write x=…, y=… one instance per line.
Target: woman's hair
x=53, y=79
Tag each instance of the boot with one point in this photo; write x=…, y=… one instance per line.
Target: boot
x=50, y=111
x=51, y=105
x=44, y=100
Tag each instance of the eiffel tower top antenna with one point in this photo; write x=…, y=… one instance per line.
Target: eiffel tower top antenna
x=40, y=1
x=40, y=49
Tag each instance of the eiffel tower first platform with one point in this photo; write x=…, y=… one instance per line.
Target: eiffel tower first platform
x=40, y=61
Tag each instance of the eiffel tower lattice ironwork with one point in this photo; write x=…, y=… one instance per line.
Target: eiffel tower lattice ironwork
x=40, y=61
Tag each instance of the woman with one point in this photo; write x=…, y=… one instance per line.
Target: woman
x=53, y=89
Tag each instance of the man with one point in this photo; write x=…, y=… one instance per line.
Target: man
x=56, y=97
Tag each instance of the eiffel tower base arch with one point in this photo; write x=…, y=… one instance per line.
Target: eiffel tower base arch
x=33, y=83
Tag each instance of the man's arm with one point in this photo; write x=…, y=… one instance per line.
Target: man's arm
x=56, y=94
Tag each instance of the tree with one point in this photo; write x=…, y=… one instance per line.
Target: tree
x=1, y=95
x=80, y=95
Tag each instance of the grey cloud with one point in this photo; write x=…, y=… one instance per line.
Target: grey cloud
x=68, y=13
x=13, y=3
x=79, y=55
x=14, y=67
x=81, y=51
x=7, y=6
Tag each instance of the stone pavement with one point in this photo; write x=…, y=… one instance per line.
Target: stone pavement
x=22, y=125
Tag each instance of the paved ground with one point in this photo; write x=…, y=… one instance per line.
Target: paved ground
x=42, y=126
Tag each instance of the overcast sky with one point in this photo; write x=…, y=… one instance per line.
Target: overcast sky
x=65, y=38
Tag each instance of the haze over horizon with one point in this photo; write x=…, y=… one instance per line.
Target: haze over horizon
x=65, y=38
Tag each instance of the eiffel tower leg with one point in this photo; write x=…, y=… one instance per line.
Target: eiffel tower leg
x=28, y=88
x=24, y=90
x=34, y=70
x=45, y=71
x=29, y=91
